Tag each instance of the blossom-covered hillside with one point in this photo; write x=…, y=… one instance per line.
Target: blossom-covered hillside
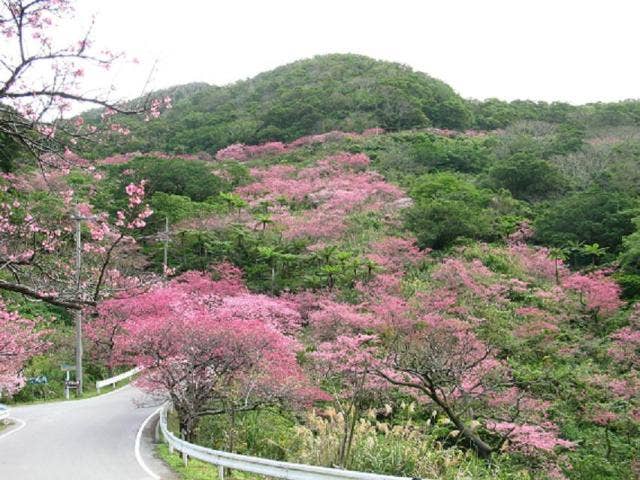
x=339, y=262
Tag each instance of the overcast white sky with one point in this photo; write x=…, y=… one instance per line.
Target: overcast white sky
x=568, y=50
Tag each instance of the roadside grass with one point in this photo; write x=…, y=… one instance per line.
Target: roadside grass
x=90, y=391
x=5, y=424
x=195, y=469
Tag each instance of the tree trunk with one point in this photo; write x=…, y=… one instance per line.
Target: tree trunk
x=232, y=429
x=188, y=428
x=273, y=279
x=483, y=449
x=354, y=419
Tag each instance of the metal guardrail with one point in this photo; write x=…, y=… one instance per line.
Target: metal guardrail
x=260, y=466
x=117, y=378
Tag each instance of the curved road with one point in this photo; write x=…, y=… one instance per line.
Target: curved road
x=93, y=439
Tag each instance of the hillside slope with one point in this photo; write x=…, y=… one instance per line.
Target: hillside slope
x=340, y=91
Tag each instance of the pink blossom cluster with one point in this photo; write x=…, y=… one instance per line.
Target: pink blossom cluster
x=20, y=340
x=30, y=239
x=329, y=190
x=523, y=232
x=332, y=319
x=353, y=360
x=195, y=311
x=242, y=152
x=156, y=106
x=439, y=300
x=22, y=234
x=473, y=277
x=528, y=439
x=625, y=346
x=215, y=328
x=537, y=261
x=555, y=294
x=395, y=254
x=603, y=417
x=598, y=292
x=625, y=388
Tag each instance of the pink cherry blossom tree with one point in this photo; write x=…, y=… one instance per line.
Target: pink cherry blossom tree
x=625, y=346
x=19, y=341
x=213, y=348
x=346, y=369
x=598, y=293
x=444, y=363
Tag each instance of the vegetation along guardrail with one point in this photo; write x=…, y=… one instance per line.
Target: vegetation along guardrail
x=260, y=466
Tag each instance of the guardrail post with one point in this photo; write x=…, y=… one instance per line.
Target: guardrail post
x=156, y=436
x=220, y=472
x=185, y=457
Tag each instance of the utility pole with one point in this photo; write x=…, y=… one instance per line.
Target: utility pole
x=163, y=236
x=78, y=312
x=165, y=239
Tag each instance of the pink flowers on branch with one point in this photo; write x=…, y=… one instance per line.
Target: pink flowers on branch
x=43, y=79
x=598, y=293
x=31, y=245
x=446, y=364
x=241, y=152
x=625, y=348
x=19, y=341
x=314, y=202
x=346, y=367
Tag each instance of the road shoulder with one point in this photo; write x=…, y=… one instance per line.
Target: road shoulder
x=149, y=455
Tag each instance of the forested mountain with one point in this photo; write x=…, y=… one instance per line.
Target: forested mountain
x=332, y=92
x=336, y=92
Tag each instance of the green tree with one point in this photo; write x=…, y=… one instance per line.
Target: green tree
x=630, y=255
x=189, y=178
x=446, y=208
x=9, y=152
x=526, y=177
x=593, y=216
x=594, y=251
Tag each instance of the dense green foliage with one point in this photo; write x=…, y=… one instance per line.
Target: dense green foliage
x=348, y=92
x=526, y=176
x=593, y=216
x=192, y=179
x=446, y=208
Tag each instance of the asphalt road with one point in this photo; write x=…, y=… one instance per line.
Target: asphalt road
x=92, y=439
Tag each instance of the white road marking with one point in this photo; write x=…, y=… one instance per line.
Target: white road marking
x=14, y=430
x=137, y=447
